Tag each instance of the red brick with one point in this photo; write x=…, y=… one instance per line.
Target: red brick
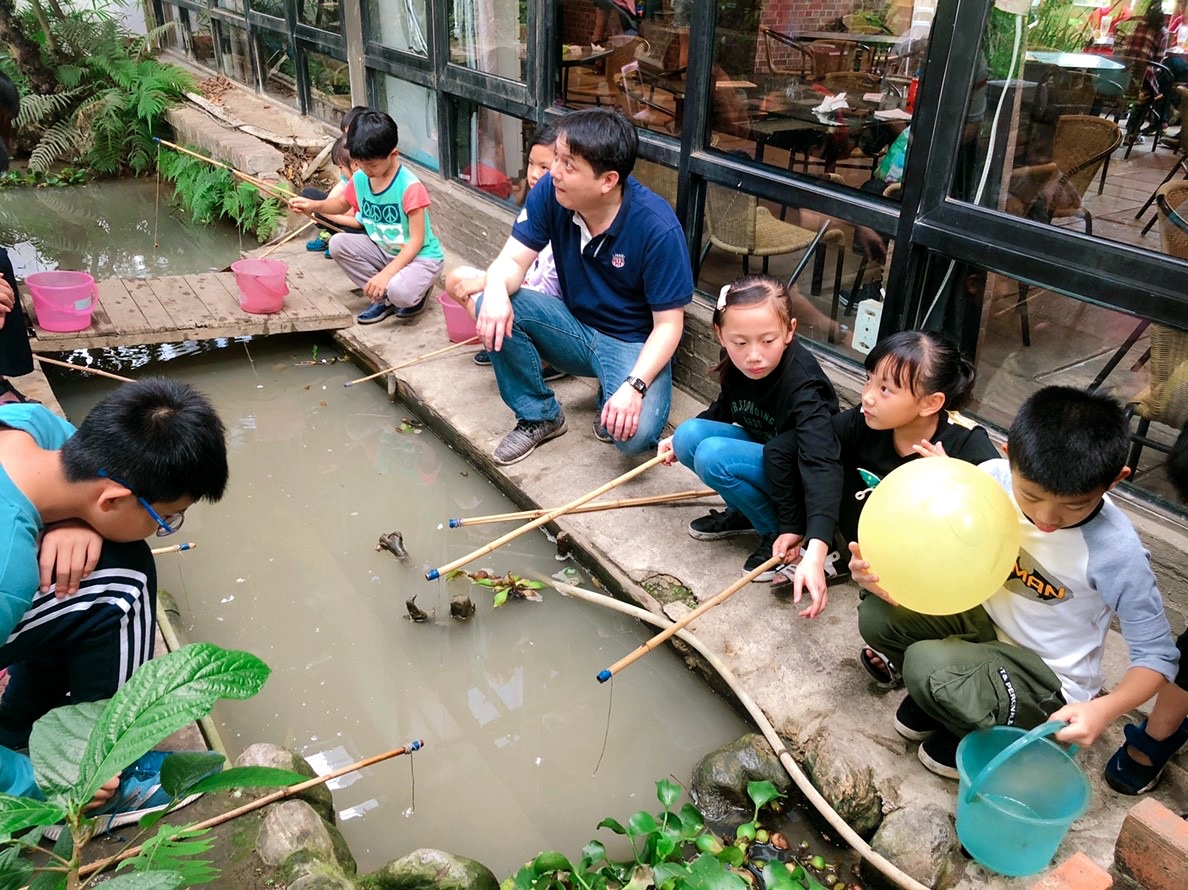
x=1078, y=872
x=1152, y=847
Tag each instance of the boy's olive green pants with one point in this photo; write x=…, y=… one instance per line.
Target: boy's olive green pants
x=958, y=671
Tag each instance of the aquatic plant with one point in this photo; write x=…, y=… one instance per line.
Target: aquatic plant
x=211, y=193
x=504, y=587
x=40, y=179
x=109, y=93
x=671, y=850
x=76, y=749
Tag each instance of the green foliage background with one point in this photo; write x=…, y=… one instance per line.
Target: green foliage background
x=211, y=193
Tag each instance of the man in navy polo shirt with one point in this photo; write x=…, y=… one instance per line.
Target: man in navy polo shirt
x=625, y=280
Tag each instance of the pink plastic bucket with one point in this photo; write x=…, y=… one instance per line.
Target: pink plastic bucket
x=262, y=285
x=459, y=324
x=62, y=300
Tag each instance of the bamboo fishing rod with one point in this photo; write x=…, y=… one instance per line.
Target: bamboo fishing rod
x=261, y=184
x=413, y=361
x=415, y=745
x=286, y=239
x=434, y=574
x=176, y=548
x=82, y=369
x=606, y=673
x=647, y=501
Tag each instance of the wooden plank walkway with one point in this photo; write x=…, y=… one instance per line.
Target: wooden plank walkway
x=171, y=309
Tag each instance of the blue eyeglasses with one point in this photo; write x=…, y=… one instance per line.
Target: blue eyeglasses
x=167, y=525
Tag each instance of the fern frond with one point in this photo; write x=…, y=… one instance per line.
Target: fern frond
x=62, y=140
x=36, y=108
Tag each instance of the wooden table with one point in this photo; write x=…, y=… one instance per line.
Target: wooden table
x=587, y=57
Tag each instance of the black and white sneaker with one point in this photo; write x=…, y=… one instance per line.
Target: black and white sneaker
x=939, y=754
x=720, y=524
x=761, y=555
x=522, y=441
x=914, y=723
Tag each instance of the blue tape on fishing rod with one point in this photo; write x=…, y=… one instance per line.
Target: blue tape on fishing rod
x=432, y=575
x=414, y=745
x=604, y=675
x=455, y=523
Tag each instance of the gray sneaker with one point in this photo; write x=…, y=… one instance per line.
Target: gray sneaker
x=522, y=441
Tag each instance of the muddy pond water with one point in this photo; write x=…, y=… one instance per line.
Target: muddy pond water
x=513, y=720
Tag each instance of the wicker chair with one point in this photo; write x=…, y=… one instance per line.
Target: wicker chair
x=1166, y=399
x=1180, y=164
x=604, y=89
x=780, y=48
x=735, y=223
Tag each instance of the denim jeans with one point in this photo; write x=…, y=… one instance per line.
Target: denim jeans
x=544, y=330
x=729, y=461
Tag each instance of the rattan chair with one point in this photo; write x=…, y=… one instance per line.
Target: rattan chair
x=784, y=55
x=604, y=89
x=1180, y=164
x=735, y=223
x=1165, y=401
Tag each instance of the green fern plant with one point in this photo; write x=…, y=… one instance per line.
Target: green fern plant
x=210, y=193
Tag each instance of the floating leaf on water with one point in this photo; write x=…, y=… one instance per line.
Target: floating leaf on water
x=500, y=598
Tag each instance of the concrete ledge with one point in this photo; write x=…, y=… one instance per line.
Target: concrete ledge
x=243, y=152
x=1152, y=848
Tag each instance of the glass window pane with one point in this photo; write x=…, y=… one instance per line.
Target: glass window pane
x=320, y=13
x=635, y=63
x=491, y=151
x=1076, y=106
x=414, y=109
x=849, y=267
x=277, y=69
x=237, y=56
x=797, y=88
x=489, y=36
x=201, y=39
x=274, y=8
x=400, y=24
x=175, y=36
x=329, y=86
x=239, y=6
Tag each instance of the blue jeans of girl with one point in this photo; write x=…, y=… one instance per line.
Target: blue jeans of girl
x=729, y=461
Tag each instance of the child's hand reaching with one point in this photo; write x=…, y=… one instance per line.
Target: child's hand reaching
x=1086, y=720
x=304, y=206
x=810, y=576
x=924, y=448
x=864, y=577
x=664, y=449
x=69, y=551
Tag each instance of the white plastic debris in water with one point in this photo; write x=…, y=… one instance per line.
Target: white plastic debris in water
x=261, y=386
x=409, y=812
x=240, y=580
x=227, y=599
x=324, y=762
x=357, y=810
x=440, y=526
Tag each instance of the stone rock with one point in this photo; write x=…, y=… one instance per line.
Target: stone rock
x=720, y=780
x=292, y=828
x=321, y=882
x=921, y=841
x=264, y=754
x=432, y=870
x=847, y=783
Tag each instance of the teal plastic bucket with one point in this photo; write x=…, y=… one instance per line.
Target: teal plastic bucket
x=1019, y=794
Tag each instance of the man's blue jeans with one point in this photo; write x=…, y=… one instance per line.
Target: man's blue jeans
x=544, y=330
x=729, y=461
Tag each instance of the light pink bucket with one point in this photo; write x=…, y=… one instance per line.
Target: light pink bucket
x=262, y=285
x=63, y=301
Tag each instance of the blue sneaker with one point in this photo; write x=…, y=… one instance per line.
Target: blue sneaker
x=328, y=254
x=321, y=242
x=413, y=310
x=139, y=794
x=375, y=312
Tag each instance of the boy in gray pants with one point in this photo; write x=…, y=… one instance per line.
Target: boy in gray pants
x=399, y=257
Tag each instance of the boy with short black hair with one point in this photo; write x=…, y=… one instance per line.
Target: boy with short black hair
x=1033, y=651
x=77, y=580
x=399, y=257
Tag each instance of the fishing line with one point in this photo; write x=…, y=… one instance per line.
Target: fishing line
x=251, y=361
x=157, y=206
x=610, y=701
x=412, y=781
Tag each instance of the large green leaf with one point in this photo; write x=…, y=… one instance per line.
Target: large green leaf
x=665, y=874
x=762, y=793
x=161, y=697
x=641, y=823
x=248, y=777
x=171, y=851
x=19, y=813
x=186, y=768
x=56, y=748
x=14, y=871
x=692, y=822
x=707, y=873
x=668, y=792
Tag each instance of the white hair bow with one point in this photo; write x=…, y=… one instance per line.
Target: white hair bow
x=722, y=296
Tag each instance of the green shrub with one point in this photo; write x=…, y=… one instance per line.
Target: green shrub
x=211, y=193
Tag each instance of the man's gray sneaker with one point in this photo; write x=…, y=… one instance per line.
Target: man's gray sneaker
x=522, y=441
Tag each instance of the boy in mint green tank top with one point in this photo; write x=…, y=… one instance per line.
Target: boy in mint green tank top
x=399, y=258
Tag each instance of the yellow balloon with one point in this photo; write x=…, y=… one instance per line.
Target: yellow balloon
x=941, y=535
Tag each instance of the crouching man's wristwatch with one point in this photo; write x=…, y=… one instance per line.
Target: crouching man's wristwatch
x=638, y=385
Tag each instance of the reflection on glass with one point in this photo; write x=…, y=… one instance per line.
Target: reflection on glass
x=490, y=151
x=489, y=36
x=175, y=36
x=232, y=5
x=237, y=54
x=400, y=24
x=276, y=66
x=320, y=13
x=806, y=91
x=269, y=7
x=844, y=276
x=201, y=39
x=329, y=86
x=609, y=54
x=1079, y=86
x=414, y=109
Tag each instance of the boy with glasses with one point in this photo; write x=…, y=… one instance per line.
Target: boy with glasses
x=77, y=580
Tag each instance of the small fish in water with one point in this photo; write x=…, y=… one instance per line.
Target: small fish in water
x=393, y=542
x=461, y=607
x=415, y=613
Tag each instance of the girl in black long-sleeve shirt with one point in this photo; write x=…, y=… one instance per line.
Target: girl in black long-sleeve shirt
x=775, y=396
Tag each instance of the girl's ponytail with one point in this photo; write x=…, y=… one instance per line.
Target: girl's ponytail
x=926, y=362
